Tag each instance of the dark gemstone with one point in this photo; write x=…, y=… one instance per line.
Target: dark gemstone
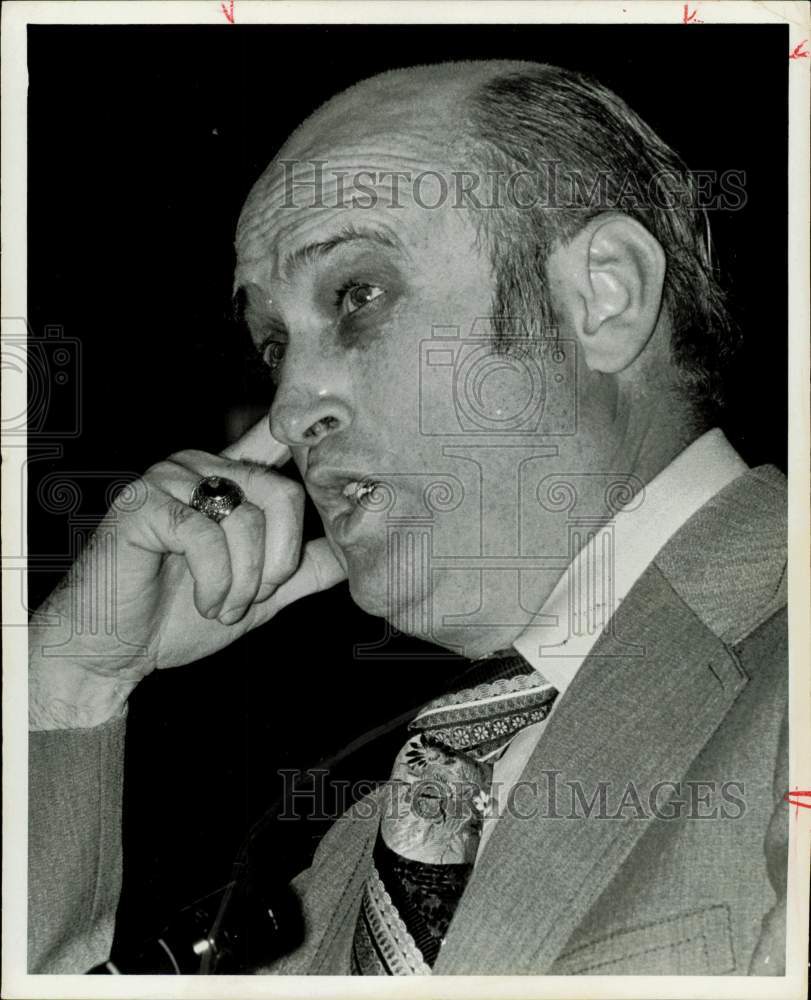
x=213, y=488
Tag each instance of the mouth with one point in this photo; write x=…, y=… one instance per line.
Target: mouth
x=356, y=490
x=343, y=498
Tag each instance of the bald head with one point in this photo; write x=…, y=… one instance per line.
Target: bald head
x=426, y=98
x=414, y=115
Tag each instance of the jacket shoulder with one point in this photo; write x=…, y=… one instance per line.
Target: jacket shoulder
x=728, y=562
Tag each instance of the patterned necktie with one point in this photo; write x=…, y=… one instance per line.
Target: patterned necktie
x=432, y=815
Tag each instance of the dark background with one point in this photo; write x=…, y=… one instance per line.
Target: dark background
x=143, y=143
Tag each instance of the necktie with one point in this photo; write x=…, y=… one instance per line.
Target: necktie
x=432, y=815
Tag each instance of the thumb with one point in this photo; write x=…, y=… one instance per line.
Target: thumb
x=319, y=570
x=258, y=445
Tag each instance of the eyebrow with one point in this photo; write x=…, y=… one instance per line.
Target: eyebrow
x=311, y=252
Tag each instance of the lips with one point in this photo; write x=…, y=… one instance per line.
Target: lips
x=329, y=484
x=356, y=490
x=336, y=490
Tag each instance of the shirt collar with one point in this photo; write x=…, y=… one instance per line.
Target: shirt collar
x=585, y=598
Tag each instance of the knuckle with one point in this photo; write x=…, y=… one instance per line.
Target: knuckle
x=161, y=471
x=179, y=518
x=256, y=478
x=191, y=456
x=195, y=530
x=259, y=481
x=246, y=519
x=249, y=511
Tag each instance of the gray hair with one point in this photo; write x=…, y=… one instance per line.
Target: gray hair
x=525, y=120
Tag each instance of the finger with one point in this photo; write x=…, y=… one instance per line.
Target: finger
x=244, y=531
x=319, y=570
x=171, y=526
x=258, y=445
x=177, y=478
x=284, y=523
x=280, y=499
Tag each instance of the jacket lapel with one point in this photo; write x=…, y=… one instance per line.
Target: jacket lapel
x=639, y=711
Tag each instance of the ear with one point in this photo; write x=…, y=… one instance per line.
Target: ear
x=608, y=281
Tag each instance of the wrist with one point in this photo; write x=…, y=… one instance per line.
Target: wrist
x=68, y=695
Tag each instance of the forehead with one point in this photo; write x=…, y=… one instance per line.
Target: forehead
x=353, y=167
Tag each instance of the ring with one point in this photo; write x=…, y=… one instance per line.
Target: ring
x=216, y=497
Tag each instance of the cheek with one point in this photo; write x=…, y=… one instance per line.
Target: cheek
x=386, y=374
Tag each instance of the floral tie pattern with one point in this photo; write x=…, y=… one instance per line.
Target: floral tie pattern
x=433, y=810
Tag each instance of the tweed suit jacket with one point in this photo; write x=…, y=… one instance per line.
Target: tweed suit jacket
x=683, y=701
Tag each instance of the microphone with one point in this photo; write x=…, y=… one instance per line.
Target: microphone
x=236, y=929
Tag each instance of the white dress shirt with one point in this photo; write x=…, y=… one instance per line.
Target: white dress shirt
x=602, y=574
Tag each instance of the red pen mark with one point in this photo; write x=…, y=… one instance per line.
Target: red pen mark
x=798, y=52
x=689, y=18
x=228, y=11
x=793, y=799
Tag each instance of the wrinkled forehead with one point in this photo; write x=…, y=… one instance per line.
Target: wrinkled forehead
x=300, y=203
x=382, y=160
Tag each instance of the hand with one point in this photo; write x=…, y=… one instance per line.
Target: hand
x=185, y=586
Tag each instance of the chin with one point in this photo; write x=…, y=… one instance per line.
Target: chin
x=371, y=599
x=370, y=593
x=370, y=589
x=367, y=577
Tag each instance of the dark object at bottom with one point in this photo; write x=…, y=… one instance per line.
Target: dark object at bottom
x=216, y=936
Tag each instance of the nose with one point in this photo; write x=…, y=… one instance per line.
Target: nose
x=310, y=404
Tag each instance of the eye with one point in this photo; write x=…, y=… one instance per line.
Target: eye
x=355, y=295
x=273, y=355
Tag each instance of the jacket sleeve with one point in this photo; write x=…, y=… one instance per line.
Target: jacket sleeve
x=74, y=845
x=769, y=958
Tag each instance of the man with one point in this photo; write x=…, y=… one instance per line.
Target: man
x=492, y=280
